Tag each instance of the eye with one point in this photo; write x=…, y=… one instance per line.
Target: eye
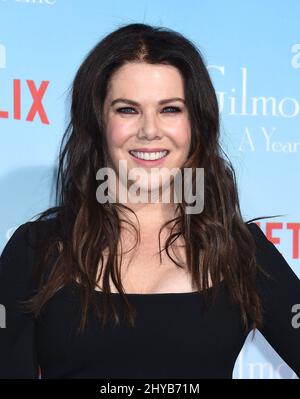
x=174, y=109
x=126, y=108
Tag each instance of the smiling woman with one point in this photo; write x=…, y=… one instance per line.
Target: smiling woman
x=88, y=297
x=149, y=135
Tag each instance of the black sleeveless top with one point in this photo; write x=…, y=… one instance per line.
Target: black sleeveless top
x=171, y=337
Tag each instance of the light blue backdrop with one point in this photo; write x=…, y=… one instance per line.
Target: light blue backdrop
x=252, y=50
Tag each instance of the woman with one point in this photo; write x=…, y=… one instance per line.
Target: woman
x=88, y=288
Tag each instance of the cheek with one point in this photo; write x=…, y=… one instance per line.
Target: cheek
x=182, y=133
x=117, y=133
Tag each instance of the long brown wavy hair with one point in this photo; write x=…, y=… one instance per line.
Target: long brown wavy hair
x=217, y=240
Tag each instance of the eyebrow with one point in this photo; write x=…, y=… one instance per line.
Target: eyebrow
x=131, y=102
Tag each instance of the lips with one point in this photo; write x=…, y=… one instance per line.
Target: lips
x=149, y=162
x=149, y=150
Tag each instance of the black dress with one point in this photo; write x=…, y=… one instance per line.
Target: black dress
x=170, y=340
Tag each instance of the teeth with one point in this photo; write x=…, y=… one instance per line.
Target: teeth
x=149, y=156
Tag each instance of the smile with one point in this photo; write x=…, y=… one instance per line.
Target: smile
x=149, y=156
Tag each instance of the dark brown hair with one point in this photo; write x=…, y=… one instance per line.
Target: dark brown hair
x=217, y=240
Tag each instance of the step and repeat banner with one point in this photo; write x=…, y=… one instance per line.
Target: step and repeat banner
x=252, y=52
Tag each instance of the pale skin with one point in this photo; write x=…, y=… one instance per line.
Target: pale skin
x=152, y=125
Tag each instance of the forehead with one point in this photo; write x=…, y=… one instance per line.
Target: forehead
x=142, y=79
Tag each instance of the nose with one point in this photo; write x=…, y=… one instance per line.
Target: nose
x=149, y=128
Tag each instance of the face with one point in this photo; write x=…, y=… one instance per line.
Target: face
x=144, y=111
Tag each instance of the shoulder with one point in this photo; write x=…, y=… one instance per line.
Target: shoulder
x=17, y=244
x=15, y=265
x=41, y=230
x=264, y=247
x=23, y=247
x=30, y=233
x=257, y=233
x=272, y=261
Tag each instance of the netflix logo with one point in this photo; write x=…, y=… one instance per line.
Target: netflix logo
x=272, y=229
x=37, y=92
x=19, y=89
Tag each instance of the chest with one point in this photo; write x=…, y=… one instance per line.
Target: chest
x=143, y=270
x=171, y=338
